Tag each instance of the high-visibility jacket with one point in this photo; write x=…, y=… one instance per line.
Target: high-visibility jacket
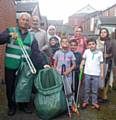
x=14, y=54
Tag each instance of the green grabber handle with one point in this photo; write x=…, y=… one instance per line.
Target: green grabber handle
x=81, y=74
x=80, y=79
x=20, y=42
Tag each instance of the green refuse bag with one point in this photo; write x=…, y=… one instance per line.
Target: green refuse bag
x=24, y=83
x=50, y=99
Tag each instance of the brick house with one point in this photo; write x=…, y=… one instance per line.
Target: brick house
x=93, y=21
x=108, y=22
x=44, y=22
x=77, y=19
x=111, y=11
x=90, y=20
x=32, y=7
x=61, y=29
x=57, y=23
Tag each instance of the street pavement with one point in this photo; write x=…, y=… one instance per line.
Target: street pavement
x=107, y=112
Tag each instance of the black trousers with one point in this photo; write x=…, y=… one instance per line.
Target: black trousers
x=10, y=80
x=76, y=83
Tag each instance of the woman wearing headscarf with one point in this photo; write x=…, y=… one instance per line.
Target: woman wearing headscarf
x=51, y=32
x=104, y=44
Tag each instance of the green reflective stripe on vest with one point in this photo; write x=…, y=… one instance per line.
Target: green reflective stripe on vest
x=13, y=50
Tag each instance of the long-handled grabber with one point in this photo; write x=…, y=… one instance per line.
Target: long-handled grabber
x=78, y=91
x=74, y=105
x=69, y=93
x=73, y=82
x=74, y=108
x=63, y=78
x=29, y=62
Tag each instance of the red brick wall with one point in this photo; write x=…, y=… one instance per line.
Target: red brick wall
x=110, y=12
x=7, y=18
x=75, y=20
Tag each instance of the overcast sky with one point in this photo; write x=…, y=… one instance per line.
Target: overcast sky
x=61, y=9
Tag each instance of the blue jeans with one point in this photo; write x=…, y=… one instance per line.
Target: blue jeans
x=91, y=87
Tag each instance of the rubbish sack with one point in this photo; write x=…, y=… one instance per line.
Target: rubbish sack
x=24, y=83
x=50, y=100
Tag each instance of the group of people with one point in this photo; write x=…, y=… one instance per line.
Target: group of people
x=76, y=53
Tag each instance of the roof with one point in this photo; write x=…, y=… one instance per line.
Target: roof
x=84, y=11
x=96, y=13
x=89, y=34
x=108, y=20
x=55, y=22
x=44, y=18
x=26, y=6
x=114, y=5
x=87, y=9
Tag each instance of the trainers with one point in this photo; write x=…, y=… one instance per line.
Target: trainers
x=74, y=108
x=84, y=105
x=96, y=106
x=78, y=105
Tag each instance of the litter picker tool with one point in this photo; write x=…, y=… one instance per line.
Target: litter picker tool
x=65, y=82
x=29, y=62
x=80, y=79
x=63, y=78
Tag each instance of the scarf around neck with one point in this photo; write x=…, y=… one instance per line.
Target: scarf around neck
x=100, y=44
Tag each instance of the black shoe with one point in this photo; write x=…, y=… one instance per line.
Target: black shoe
x=11, y=112
x=103, y=101
x=27, y=109
x=100, y=100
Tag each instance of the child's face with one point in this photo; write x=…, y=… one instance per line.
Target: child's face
x=65, y=43
x=92, y=46
x=52, y=42
x=73, y=46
